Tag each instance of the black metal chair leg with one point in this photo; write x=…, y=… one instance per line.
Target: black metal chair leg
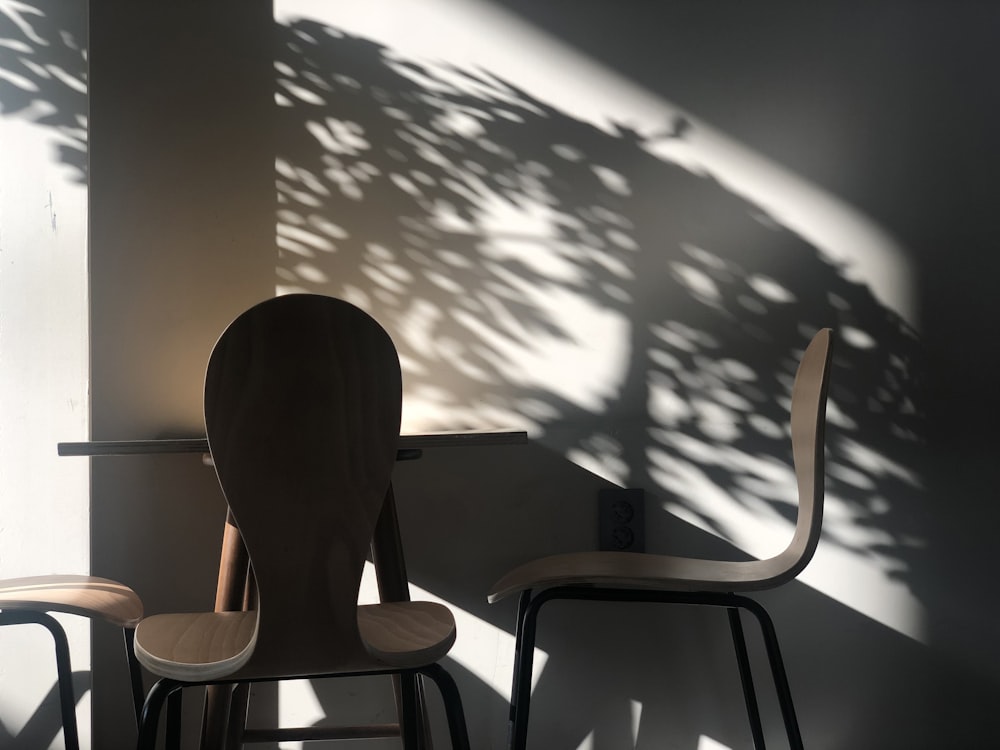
x=151, y=710
x=175, y=708
x=239, y=706
x=515, y=679
x=67, y=700
x=520, y=701
x=457, y=728
x=408, y=721
x=746, y=677
x=135, y=674
x=64, y=670
x=777, y=671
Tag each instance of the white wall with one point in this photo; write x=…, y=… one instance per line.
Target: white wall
x=44, y=398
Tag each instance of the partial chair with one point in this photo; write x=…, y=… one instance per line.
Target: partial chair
x=29, y=600
x=637, y=577
x=302, y=409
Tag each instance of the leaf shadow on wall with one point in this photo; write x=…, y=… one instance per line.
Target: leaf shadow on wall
x=512, y=250
x=43, y=73
x=510, y=247
x=463, y=212
x=387, y=196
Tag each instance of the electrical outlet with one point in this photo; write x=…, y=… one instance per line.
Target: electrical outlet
x=621, y=520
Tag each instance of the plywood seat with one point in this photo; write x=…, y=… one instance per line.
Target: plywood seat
x=196, y=646
x=407, y=634
x=636, y=570
x=202, y=646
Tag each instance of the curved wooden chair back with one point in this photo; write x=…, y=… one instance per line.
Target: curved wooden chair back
x=302, y=409
x=808, y=420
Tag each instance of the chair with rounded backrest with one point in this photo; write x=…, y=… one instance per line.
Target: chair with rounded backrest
x=30, y=600
x=302, y=410
x=638, y=577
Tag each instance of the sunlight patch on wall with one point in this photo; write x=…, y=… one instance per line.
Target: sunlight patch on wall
x=477, y=34
x=635, y=712
x=483, y=649
x=590, y=341
x=707, y=743
x=846, y=571
x=298, y=706
x=513, y=309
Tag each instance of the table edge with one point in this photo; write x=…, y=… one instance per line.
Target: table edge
x=200, y=445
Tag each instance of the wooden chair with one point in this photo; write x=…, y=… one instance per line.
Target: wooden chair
x=29, y=600
x=302, y=411
x=636, y=577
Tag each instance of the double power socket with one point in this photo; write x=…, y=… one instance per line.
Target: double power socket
x=621, y=520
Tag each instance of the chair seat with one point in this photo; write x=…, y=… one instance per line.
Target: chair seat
x=201, y=646
x=407, y=634
x=88, y=596
x=636, y=570
x=196, y=646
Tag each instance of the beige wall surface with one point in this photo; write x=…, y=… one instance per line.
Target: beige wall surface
x=182, y=237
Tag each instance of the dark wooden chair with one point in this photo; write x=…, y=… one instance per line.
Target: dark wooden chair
x=637, y=577
x=302, y=411
x=31, y=599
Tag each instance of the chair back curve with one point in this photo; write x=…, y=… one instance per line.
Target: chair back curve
x=303, y=396
x=808, y=423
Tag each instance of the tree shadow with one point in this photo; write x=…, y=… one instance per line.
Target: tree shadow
x=43, y=73
x=486, y=229
x=537, y=270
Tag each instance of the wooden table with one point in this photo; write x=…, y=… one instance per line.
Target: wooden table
x=234, y=590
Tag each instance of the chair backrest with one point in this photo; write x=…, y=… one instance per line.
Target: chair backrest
x=808, y=422
x=302, y=410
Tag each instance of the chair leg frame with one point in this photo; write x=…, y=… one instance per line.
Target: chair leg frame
x=135, y=674
x=746, y=677
x=64, y=671
x=239, y=706
x=526, y=627
x=167, y=691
